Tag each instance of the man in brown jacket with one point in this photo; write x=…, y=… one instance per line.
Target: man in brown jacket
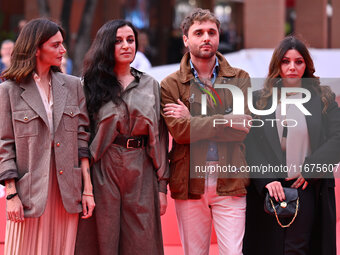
x=208, y=150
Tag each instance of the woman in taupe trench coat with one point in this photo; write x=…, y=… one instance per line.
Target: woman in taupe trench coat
x=129, y=149
x=43, y=118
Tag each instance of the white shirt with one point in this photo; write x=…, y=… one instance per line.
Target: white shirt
x=47, y=104
x=298, y=142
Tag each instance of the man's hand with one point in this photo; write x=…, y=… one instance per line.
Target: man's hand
x=239, y=122
x=177, y=110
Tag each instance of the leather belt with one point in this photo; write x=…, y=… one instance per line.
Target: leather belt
x=130, y=141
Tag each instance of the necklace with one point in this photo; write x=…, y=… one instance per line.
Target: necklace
x=49, y=91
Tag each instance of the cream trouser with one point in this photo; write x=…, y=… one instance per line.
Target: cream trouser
x=195, y=217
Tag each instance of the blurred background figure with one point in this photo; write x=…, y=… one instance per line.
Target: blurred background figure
x=66, y=64
x=228, y=38
x=21, y=24
x=176, y=48
x=6, y=51
x=141, y=62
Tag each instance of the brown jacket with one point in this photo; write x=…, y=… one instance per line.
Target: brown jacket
x=192, y=136
x=25, y=144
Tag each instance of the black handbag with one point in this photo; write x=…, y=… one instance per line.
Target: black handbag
x=285, y=209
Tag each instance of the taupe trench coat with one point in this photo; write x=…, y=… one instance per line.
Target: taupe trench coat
x=127, y=181
x=143, y=119
x=25, y=143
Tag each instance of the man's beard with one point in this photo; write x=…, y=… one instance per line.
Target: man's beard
x=203, y=54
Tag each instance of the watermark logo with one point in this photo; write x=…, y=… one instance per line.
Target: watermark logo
x=238, y=100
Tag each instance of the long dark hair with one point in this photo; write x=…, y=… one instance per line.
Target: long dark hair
x=289, y=43
x=33, y=35
x=100, y=82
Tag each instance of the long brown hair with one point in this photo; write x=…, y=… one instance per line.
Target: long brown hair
x=33, y=35
x=289, y=43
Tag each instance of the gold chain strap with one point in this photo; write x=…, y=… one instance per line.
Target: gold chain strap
x=277, y=218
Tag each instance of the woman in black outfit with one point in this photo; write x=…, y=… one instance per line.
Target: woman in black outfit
x=315, y=139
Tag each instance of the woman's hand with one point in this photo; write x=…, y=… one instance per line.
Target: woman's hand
x=87, y=199
x=299, y=181
x=15, y=210
x=275, y=190
x=163, y=203
x=177, y=110
x=88, y=205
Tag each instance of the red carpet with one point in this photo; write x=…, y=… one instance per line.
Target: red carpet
x=172, y=244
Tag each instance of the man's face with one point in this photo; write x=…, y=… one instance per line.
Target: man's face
x=203, y=39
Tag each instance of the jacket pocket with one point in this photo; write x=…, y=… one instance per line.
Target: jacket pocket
x=25, y=123
x=70, y=118
x=23, y=186
x=179, y=173
x=77, y=179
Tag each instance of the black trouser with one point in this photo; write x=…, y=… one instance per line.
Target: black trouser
x=298, y=235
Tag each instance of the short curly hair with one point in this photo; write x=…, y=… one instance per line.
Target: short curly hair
x=199, y=15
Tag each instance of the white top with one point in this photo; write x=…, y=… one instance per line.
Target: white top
x=141, y=62
x=298, y=142
x=47, y=104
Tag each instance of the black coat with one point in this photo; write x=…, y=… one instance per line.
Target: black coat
x=263, y=235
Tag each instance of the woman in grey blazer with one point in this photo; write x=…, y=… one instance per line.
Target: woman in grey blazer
x=42, y=142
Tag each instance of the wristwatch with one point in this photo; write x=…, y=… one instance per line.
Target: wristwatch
x=11, y=196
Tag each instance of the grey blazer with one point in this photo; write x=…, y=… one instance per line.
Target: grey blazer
x=25, y=145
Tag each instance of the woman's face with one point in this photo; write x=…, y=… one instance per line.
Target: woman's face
x=292, y=68
x=125, y=46
x=52, y=51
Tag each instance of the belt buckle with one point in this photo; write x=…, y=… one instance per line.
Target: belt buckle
x=139, y=143
x=128, y=143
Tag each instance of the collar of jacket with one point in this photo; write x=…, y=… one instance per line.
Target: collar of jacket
x=29, y=81
x=135, y=73
x=225, y=70
x=32, y=97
